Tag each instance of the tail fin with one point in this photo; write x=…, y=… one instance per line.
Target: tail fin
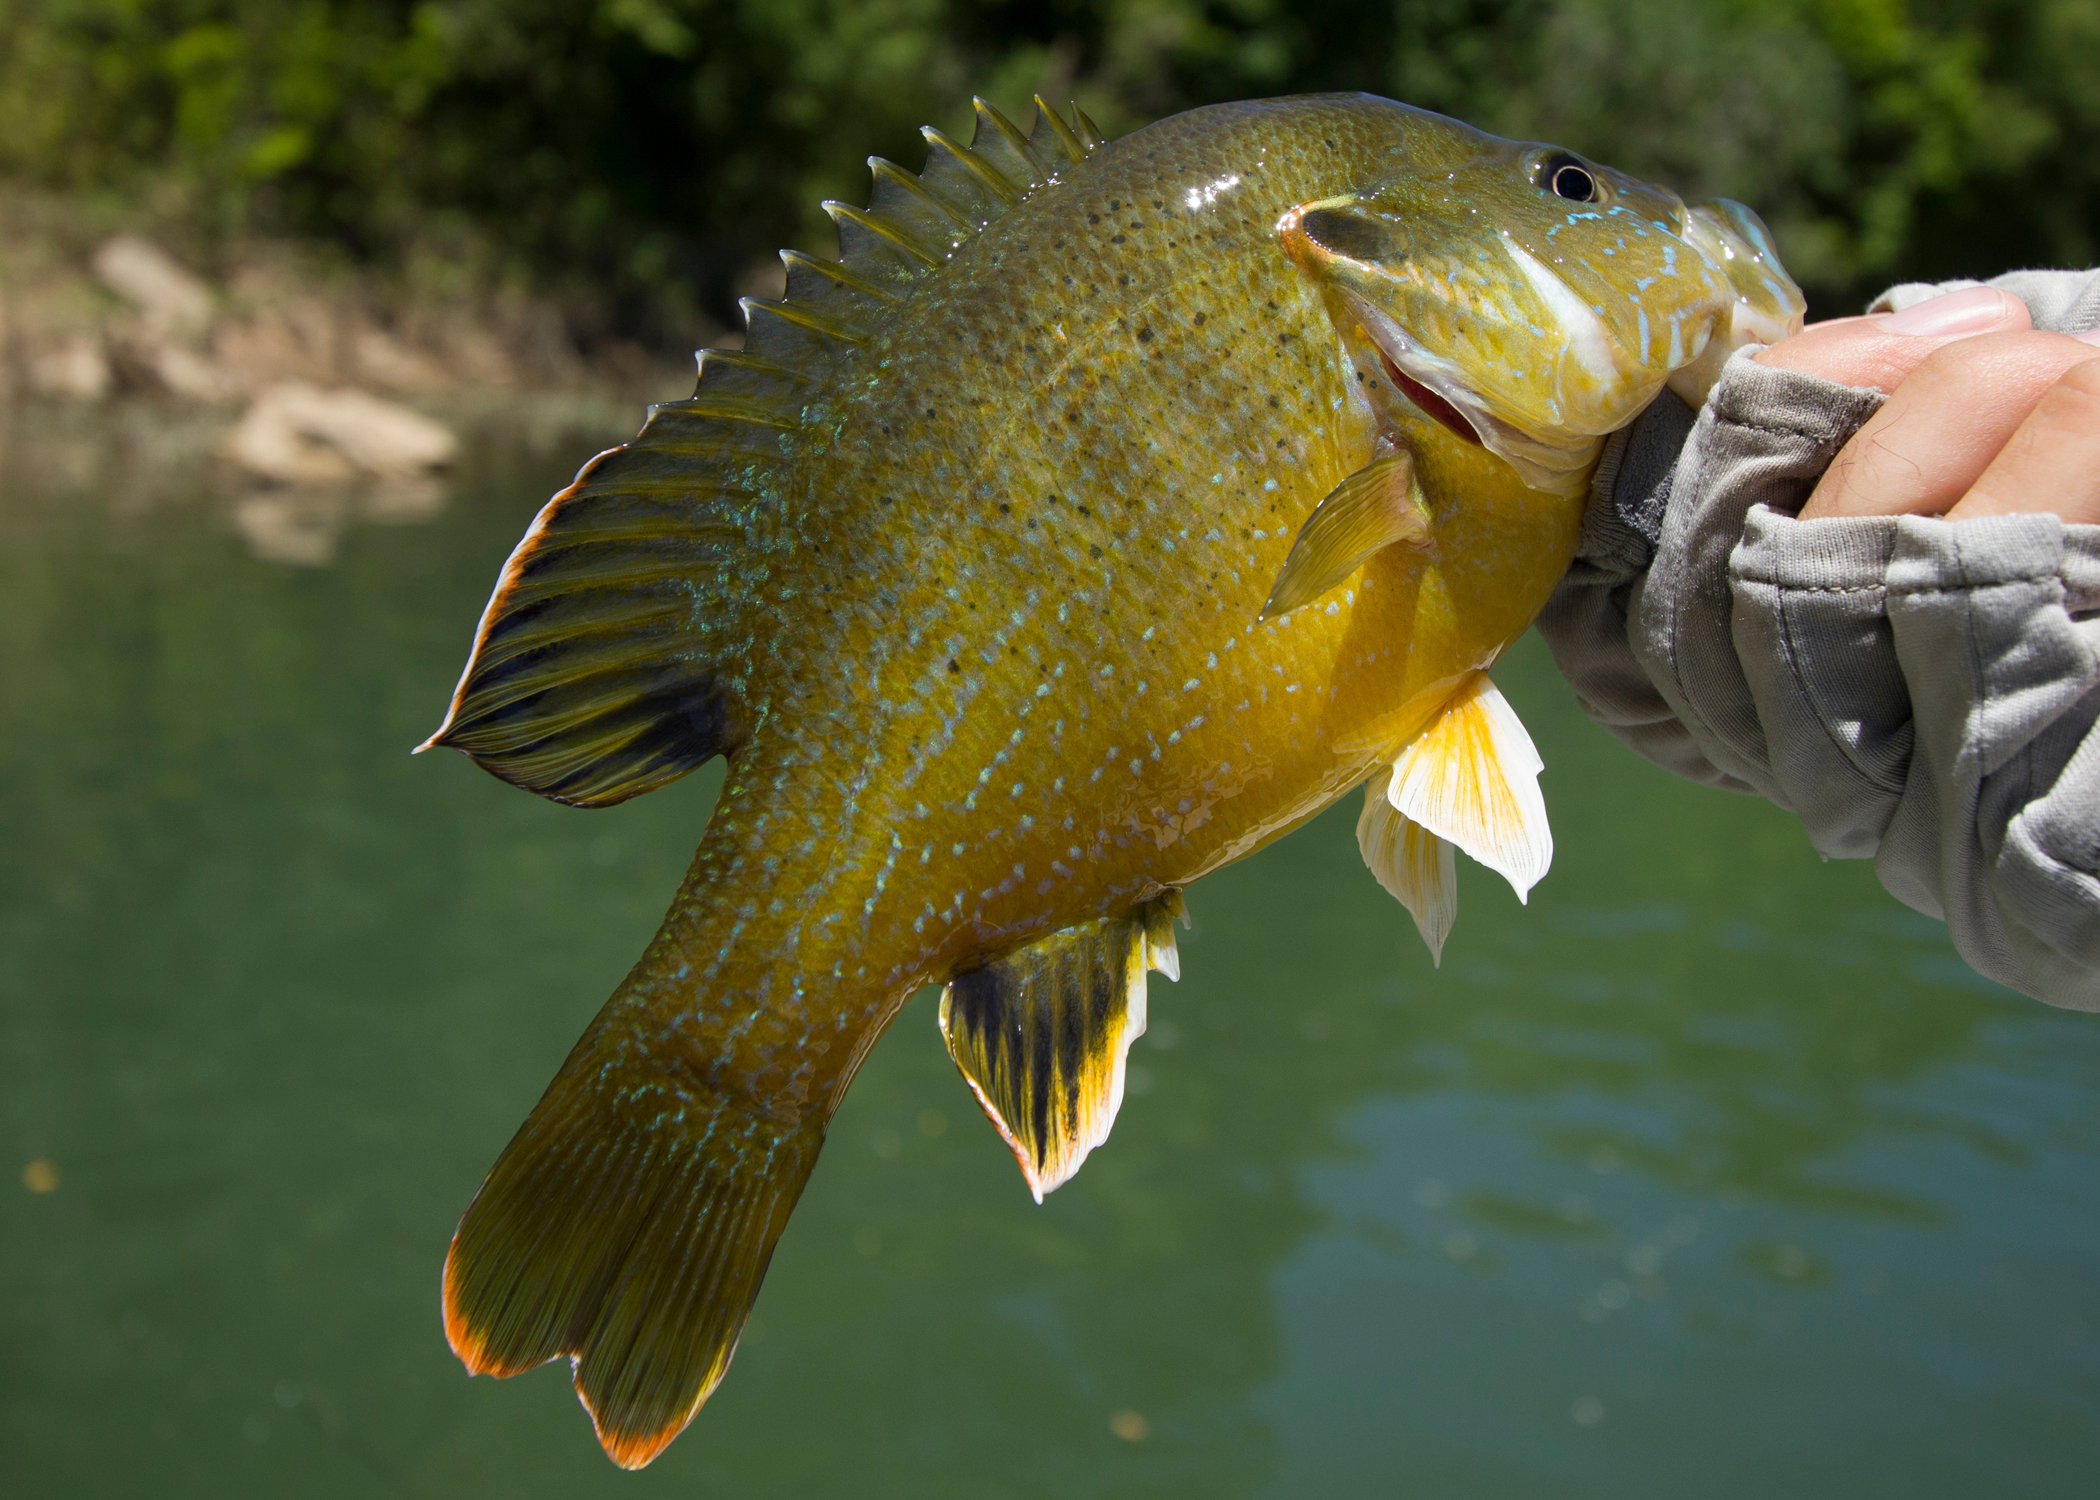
x=631, y=1234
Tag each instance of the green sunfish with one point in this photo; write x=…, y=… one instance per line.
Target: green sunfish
x=1106, y=510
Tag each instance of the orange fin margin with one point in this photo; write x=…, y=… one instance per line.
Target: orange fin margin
x=636, y=1249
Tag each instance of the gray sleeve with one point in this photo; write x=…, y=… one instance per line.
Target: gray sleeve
x=1585, y=622
x=1919, y=692
x=1927, y=691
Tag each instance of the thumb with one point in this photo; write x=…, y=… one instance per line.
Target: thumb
x=1882, y=349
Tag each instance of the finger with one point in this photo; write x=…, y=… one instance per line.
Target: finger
x=2052, y=463
x=1880, y=351
x=1936, y=435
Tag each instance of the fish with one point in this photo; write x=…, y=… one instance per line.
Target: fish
x=1102, y=512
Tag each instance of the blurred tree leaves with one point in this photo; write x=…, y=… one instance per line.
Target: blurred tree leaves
x=632, y=155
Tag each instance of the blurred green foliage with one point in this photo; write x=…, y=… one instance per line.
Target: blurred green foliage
x=632, y=155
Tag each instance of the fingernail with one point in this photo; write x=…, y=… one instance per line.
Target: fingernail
x=2090, y=336
x=1976, y=309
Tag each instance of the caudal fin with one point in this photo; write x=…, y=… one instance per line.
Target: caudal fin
x=630, y=1232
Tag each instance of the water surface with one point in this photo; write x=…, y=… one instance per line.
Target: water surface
x=1714, y=1171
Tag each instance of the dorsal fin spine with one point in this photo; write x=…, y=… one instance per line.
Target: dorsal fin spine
x=1089, y=132
x=995, y=181
x=690, y=426
x=996, y=139
x=798, y=338
x=729, y=409
x=847, y=217
x=888, y=173
x=928, y=218
x=804, y=317
x=1048, y=119
x=830, y=273
x=757, y=380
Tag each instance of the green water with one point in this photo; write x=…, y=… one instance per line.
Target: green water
x=1712, y=1172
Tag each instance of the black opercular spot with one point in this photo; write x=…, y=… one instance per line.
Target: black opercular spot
x=1346, y=233
x=1565, y=177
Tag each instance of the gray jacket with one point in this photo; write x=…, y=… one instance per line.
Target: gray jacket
x=1918, y=692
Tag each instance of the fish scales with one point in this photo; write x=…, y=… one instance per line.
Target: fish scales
x=956, y=418
x=978, y=599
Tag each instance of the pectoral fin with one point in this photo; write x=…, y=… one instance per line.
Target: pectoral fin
x=1374, y=508
x=1411, y=862
x=1041, y=1034
x=1472, y=777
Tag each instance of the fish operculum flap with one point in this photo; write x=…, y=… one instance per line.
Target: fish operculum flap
x=1042, y=1034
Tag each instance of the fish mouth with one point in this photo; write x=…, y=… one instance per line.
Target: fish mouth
x=1432, y=384
x=1428, y=381
x=1429, y=401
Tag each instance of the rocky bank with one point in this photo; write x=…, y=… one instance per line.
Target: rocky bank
x=308, y=399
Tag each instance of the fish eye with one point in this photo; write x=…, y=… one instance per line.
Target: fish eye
x=1346, y=233
x=1565, y=177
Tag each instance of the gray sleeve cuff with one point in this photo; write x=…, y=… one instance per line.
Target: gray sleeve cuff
x=1585, y=622
x=1999, y=822
x=1592, y=622
x=1920, y=692
x=1763, y=440
x=1928, y=692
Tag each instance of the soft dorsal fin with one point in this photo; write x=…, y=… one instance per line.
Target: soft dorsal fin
x=616, y=652
x=1411, y=862
x=1472, y=777
x=1041, y=1034
x=1377, y=507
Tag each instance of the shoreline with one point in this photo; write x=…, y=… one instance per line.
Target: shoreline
x=133, y=461
x=95, y=309
x=304, y=398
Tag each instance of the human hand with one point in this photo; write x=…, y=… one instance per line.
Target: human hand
x=1985, y=416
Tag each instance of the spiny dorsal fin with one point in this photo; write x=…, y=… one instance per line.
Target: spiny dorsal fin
x=1376, y=507
x=1472, y=777
x=1006, y=148
x=1411, y=862
x=614, y=655
x=1041, y=1034
x=1061, y=135
x=913, y=224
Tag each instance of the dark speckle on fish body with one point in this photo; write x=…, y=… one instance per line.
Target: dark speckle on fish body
x=1105, y=674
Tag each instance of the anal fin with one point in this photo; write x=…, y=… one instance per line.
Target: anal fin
x=1041, y=1034
x=1376, y=507
x=1412, y=863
